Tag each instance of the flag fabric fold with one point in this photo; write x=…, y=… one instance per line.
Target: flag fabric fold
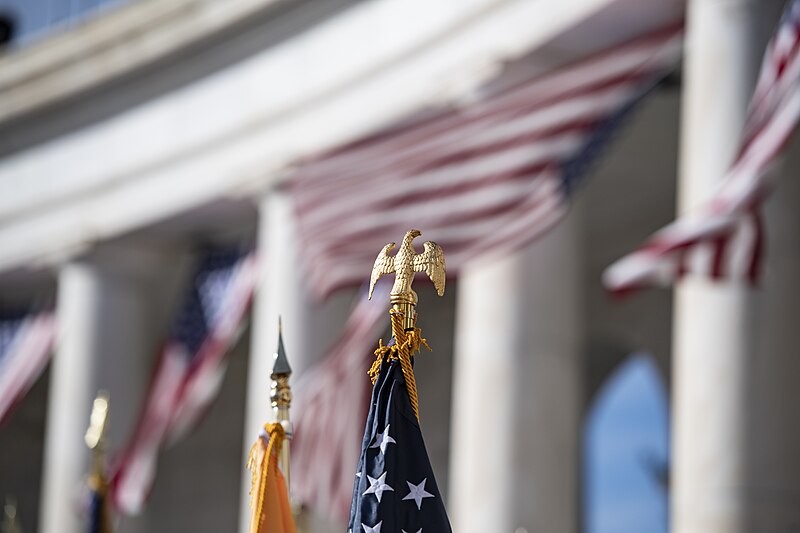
x=724, y=238
x=395, y=487
x=190, y=370
x=26, y=344
x=483, y=179
x=270, y=511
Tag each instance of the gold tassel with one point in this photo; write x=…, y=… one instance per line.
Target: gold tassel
x=406, y=343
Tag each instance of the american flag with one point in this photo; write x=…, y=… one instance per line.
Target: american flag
x=190, y=369
x=330, y=409
x=724, y=238
x=395, y=489
x=26, y=344
x=483, y=179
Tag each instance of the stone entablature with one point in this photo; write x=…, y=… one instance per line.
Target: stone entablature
x=109, y=46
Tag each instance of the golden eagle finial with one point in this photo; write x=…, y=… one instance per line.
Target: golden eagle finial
x=405, y=264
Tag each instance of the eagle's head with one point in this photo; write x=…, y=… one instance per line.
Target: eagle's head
x=413, y=234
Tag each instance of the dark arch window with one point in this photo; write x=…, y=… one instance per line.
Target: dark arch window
x=626, y=450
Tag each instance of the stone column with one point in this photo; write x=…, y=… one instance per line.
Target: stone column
x=309, y=325
x=515, y=439
x=105, y=341
x=715, y=334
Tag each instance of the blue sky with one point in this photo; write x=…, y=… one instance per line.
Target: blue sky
x=34, y=16
x=626, y=434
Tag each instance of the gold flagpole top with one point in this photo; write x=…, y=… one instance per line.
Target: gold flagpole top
x=408, y=337
x=404, y=264
x=281, y=400
x=95, y=437
x=96, y=433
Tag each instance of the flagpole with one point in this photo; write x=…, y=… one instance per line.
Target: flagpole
x=281, y=400
x=96, y=440
x=269, y=456
x=400, y=450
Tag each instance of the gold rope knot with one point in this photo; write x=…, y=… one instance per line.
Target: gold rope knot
x=407, y=342
x=276, y=435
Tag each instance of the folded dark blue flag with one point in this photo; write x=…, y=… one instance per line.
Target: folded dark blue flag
x=395, y=489
x=99, y=519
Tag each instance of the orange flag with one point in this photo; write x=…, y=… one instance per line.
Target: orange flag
x=269, y=500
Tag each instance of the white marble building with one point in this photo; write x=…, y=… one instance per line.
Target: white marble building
x=133, y=136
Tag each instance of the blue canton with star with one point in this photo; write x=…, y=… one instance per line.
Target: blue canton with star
x=206, y=299
x=395, y=489
x=10, y=326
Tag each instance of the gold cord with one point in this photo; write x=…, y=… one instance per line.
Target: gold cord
x=276, y=437
x=407, y=342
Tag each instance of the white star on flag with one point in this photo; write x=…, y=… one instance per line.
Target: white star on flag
x=377, y=487
x=383, y=440
x=418, y=493
x=376, y=529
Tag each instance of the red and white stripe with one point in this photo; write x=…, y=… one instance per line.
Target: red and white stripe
x=479, y=180
x=724, y=239
x=179, y=395
x=27, y=356
x=330, y=410
x=204, y=378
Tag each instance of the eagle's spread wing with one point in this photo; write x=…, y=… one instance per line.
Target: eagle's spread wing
x=384, y=264
x=431, y=261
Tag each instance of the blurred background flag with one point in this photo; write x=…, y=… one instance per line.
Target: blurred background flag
x=26, y=344
x=330, y=409
x=724, y=237
x=486, y=178
x=190, y=369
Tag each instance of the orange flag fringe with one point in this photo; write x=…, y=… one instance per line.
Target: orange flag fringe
x=269, y=499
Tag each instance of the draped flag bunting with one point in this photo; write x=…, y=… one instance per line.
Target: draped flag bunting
x=483, y=179
x=724, y=238
x=190, y=369
x=26, y=343
x=330, y=409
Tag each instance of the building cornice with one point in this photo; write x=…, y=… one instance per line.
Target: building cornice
x=234, y=133
x=107, y=47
